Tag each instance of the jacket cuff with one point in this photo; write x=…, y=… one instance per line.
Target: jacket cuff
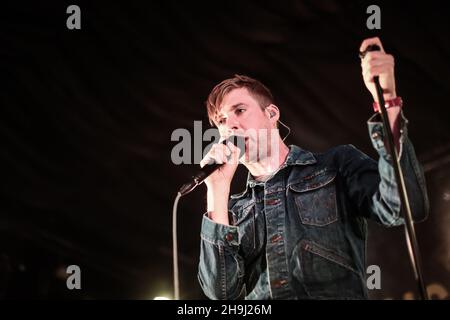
x=218, y=233
x=376, y=132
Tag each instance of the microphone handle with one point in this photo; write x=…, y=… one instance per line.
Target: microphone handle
x=204, y=172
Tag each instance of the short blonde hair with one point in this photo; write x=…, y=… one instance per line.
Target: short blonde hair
x=258, y=91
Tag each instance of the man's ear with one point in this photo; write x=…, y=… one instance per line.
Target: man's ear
x=273, y=113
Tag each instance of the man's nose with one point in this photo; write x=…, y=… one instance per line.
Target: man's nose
x=230, y=128
x=232, y=123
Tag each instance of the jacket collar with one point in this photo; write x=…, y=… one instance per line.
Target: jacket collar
x=296, y=156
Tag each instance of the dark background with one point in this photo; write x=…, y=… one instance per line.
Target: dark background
x=86, y=118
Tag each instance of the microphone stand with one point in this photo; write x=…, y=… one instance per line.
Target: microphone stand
x=411, y=239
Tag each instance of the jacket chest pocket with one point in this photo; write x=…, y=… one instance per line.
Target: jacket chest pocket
x=315, y=199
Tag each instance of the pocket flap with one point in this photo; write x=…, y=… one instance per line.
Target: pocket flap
x=313, y=181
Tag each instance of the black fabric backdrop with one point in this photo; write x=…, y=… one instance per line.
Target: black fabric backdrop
x=86, y=118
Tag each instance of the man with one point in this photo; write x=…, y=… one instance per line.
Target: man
x=298, y=230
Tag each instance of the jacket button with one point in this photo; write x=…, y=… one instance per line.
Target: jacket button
x=272, y=202
x=229, y=237
x=375, y=135
x=278, y=283
x=275, y=238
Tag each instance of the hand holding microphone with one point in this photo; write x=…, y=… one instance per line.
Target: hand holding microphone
x=218, y=166
x=227, y=155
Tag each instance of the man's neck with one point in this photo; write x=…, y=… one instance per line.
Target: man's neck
x=264, y=168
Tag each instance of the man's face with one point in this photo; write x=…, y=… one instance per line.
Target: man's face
x=241, y=114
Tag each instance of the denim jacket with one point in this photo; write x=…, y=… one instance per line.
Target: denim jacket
x=302, y=233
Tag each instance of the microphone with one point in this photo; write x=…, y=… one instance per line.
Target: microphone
x=208, y=169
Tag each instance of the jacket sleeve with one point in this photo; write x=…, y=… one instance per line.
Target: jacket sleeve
x=221, y=268
x=372, y=186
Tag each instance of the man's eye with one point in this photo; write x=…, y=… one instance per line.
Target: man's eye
x=221, y=121
x=240, y=110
